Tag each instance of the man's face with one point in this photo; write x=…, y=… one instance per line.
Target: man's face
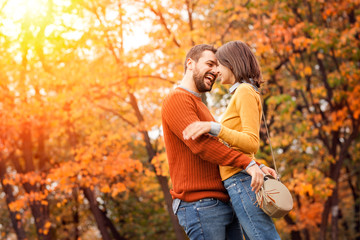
x=205, y=71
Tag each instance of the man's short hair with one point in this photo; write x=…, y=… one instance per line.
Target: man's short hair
x=196, y=52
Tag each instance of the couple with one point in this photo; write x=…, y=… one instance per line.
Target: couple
x=205, y=172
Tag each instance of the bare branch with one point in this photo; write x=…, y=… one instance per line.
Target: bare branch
x=164, y=24
x=325, y=81
x=190, y=8
x=115, y=113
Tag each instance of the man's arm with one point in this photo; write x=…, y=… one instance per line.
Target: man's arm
x=178, y=112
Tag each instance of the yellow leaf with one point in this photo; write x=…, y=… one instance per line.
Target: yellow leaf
x=117, y=188
x=308, y=71
x=105, y=189
x=47, y=224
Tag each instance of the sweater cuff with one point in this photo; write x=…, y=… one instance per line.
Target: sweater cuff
x=250, y=164
x=215, y=129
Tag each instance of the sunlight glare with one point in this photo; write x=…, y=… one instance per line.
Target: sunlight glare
x=34, y=11
x=18, y=9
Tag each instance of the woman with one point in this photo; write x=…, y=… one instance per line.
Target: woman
x=239, y=129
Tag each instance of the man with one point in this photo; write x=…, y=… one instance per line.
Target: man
x=200, y=199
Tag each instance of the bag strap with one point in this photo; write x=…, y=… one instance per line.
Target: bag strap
x=266, y=127
x=268, y=136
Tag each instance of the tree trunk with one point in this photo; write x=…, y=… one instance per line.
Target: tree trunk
x=335, y=214
x=116, y=235
x=39, y=211
x=357, y=210
x=133, y=102
x=26, y=146
x=102, y=220
x=355, y=190
x=295, y=235
x=179, y=232
x=307, y=234
x=17, y=224
x=76, y=217
x=357, y=218
x=99, y=218
x=163, y=181
x=332, y=202
x=324, y=219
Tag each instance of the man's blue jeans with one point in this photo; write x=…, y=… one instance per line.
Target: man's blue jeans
x=207, y=219
x=256, y=224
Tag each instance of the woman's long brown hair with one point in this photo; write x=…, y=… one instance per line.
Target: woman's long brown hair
x=238, y=57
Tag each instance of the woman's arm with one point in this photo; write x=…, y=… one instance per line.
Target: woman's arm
x=247, y=140
x=247, y=107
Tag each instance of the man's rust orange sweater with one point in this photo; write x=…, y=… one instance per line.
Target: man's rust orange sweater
x=193, y=164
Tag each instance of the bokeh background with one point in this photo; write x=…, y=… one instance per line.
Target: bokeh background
x=81, y=87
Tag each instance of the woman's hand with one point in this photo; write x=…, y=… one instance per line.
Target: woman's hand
x=257, y=177
x=269, y=171
x=196, y=129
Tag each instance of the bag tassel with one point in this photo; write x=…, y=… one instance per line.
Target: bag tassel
x=263, y=195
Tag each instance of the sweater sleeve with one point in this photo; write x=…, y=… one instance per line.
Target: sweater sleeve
x=179, y=111
x=246, y=104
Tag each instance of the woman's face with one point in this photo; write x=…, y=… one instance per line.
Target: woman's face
x=226, y=75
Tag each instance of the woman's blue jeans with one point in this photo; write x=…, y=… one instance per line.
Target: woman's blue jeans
x=256, y=224
x=207, y=219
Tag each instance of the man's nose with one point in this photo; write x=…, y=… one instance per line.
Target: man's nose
x=215, y=70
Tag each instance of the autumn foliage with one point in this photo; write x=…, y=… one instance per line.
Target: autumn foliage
x=81, y=87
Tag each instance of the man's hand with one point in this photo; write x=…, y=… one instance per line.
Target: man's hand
x=257, y=177
x=196, y=129
x=269, y=171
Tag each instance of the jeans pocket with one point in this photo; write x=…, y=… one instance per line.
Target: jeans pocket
x=207, y=203
x=246, y=183
x=246, y=178
x=230, y=186
x=176, y=205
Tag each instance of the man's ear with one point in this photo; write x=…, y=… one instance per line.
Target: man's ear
x=190, y=64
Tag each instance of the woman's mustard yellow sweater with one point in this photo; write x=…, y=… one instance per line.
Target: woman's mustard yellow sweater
x=240, y=124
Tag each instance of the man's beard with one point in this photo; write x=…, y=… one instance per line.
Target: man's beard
x=199, y=81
